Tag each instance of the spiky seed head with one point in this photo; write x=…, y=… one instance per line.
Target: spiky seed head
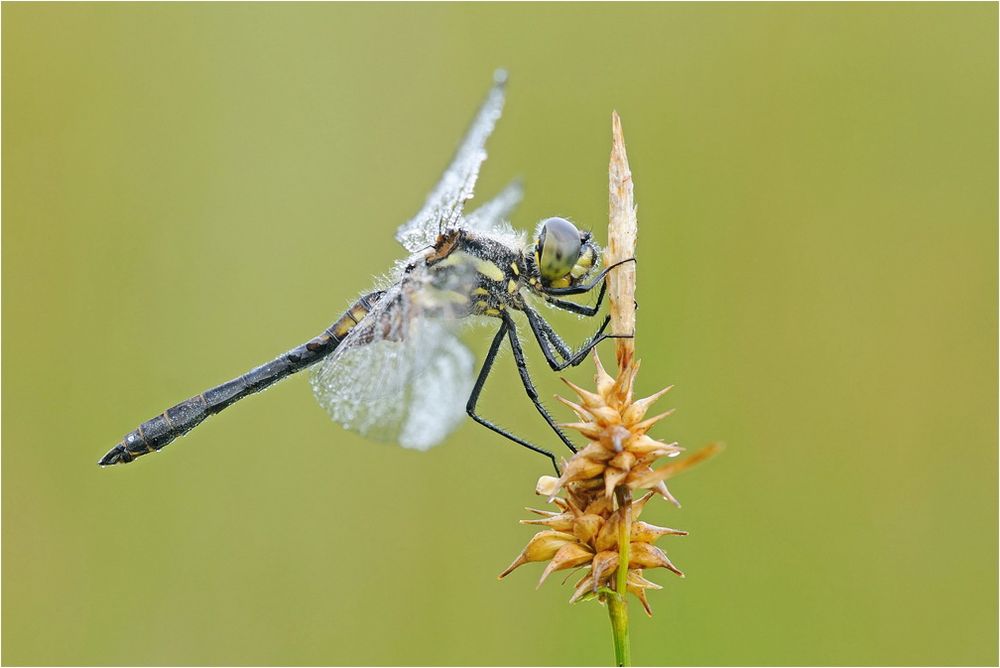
x=585, y=531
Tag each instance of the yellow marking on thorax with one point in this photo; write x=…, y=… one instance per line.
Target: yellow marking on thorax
x=488, y=269
x=454, y=259
x=513, y=267
x=511, y=287
x=485, y=267
x=437, y=297
x=452, y=296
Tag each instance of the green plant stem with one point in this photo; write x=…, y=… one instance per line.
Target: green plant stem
x=617, y=605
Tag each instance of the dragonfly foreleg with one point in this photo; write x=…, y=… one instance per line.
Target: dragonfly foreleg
x=484, y=373
x=586, y=287
x=579, y=309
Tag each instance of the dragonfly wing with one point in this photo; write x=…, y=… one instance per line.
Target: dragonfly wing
x=444, y=205
x=398, y=376
x=493, y=216
x=440, y=392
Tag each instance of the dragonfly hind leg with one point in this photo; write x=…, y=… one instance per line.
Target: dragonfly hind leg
x=529, y=387
x=542, y=332
x=470, y=408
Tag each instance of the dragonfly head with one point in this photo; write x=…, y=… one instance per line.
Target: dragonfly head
x=564, y=255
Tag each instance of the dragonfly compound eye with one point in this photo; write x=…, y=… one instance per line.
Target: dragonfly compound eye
x=559, y=245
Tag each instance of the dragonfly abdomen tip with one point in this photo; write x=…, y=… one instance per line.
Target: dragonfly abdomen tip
x=116, y=455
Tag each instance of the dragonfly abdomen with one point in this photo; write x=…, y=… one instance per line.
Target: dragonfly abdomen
x=158, y=432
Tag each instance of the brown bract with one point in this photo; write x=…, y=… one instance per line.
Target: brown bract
x=619, y=449
x=623, y=229
x=587, y=537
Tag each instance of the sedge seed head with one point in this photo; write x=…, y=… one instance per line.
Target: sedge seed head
x=584, y=532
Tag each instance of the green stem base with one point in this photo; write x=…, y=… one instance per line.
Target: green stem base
x=617, y=604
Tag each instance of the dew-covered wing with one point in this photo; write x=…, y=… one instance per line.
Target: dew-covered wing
x=494, y=215
x=443, y=207
x=401, y=375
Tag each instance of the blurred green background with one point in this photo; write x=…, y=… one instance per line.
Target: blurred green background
x=189, y=190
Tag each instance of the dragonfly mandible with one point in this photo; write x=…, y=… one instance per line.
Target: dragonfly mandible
x=392, y=366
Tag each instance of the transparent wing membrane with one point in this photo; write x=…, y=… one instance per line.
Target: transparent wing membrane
x=401, y=375
x=444, y=205
x=493, y=216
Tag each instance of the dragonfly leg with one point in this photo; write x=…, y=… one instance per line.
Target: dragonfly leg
x=529, y=387
x=579, y=309
x=547, y=338
x=470, y=407
x=586, y=287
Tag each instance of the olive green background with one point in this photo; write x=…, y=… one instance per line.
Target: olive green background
x=189, y=190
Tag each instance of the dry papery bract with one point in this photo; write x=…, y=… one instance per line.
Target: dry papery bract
x=584, y=532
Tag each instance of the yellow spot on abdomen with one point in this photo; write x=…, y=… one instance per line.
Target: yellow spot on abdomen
x=343, y=327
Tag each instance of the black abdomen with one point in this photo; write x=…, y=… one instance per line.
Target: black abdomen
x=154, y=434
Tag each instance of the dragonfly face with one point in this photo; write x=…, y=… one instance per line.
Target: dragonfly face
x=392, y=367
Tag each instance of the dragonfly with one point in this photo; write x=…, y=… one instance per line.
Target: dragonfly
x=392, y=367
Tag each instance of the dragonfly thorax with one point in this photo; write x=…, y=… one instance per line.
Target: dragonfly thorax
x=475, y=274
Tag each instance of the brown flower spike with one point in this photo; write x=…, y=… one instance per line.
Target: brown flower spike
x=620, y=453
